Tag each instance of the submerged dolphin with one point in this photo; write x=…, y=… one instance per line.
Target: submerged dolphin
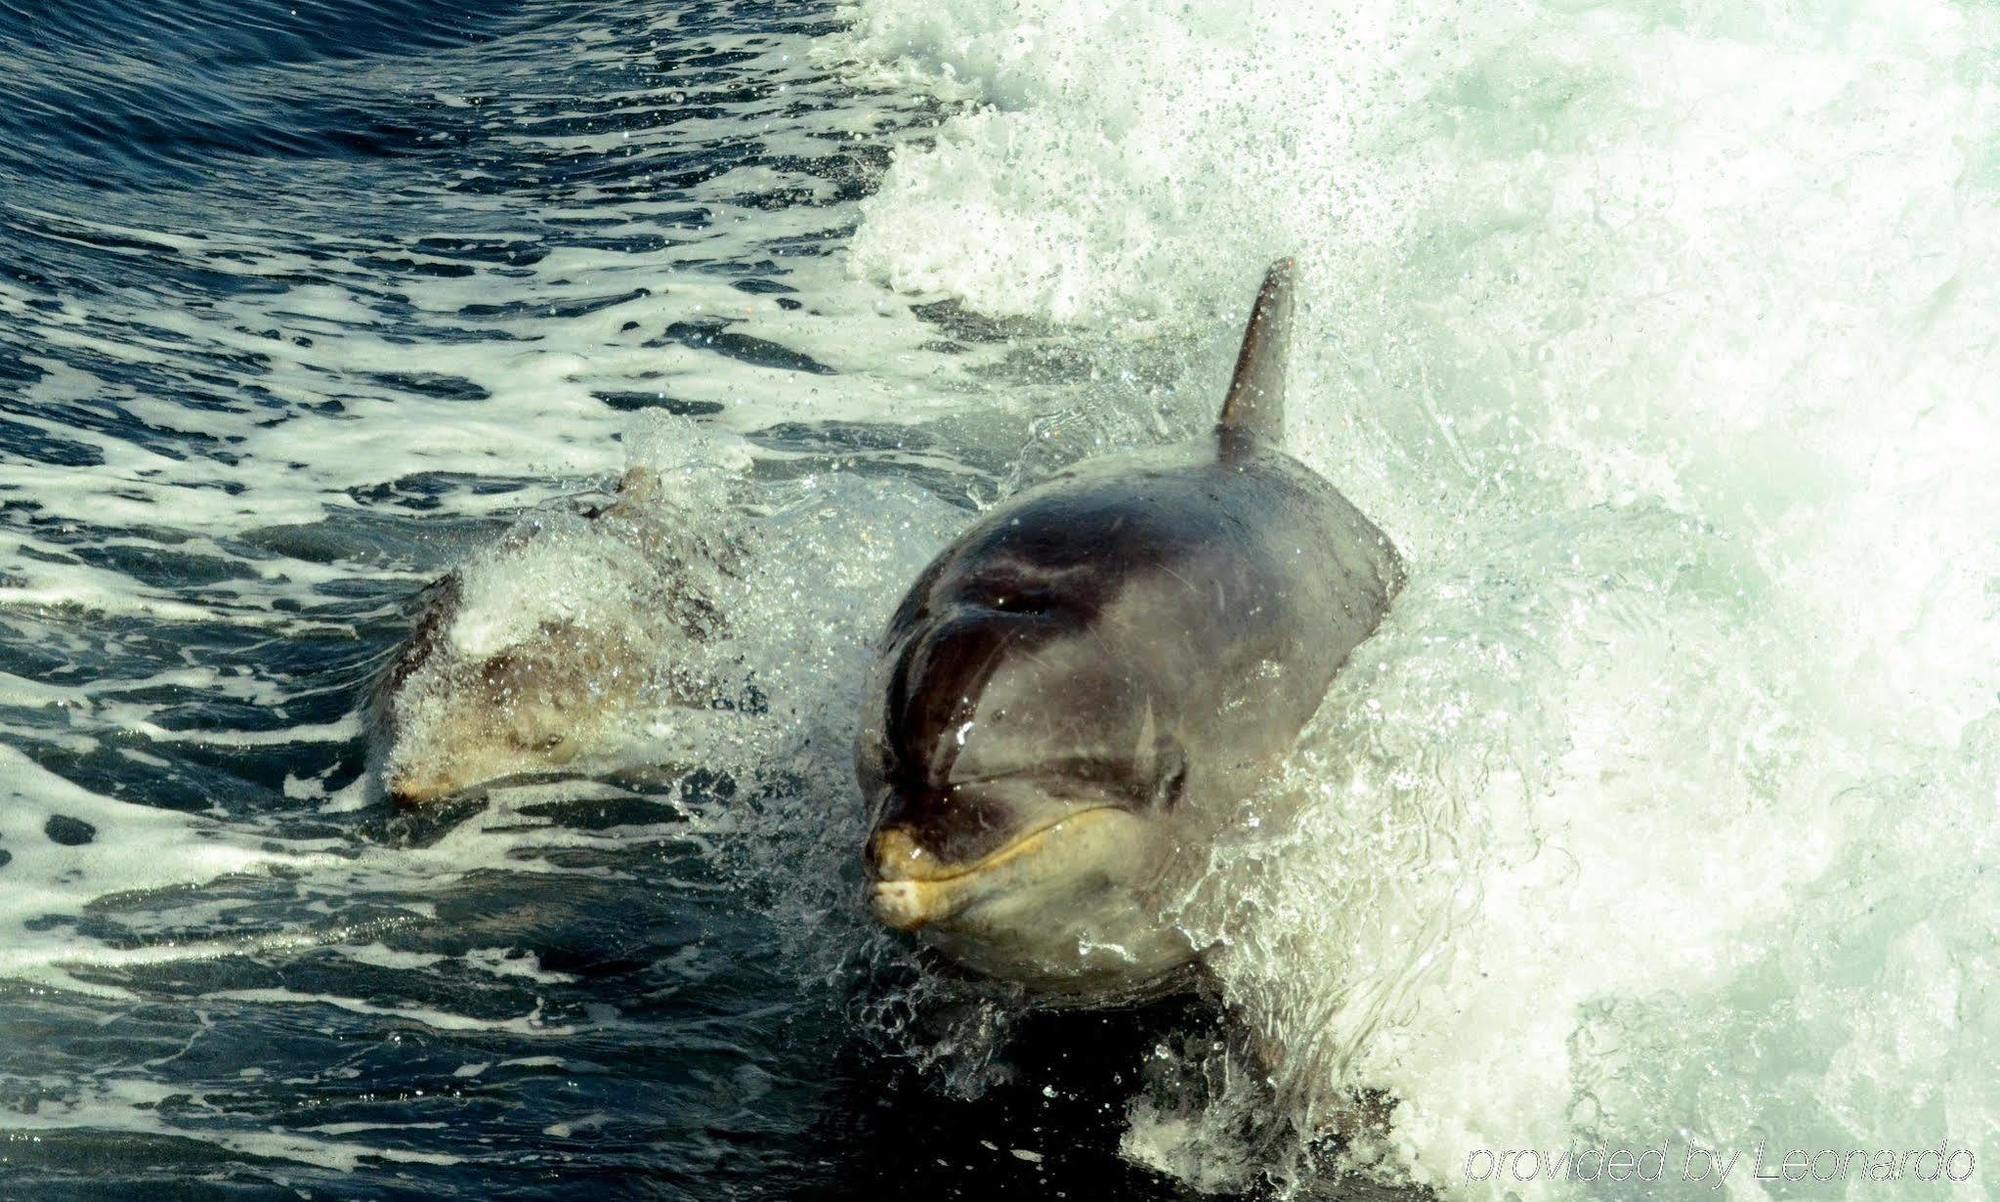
x=526, y=660
x=1077, y=693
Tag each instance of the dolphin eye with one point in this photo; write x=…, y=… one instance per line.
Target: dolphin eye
x=1018, y=594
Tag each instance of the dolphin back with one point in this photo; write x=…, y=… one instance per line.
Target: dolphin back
x=1254, y=410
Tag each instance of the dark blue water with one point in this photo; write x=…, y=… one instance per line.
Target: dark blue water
x=299, y=301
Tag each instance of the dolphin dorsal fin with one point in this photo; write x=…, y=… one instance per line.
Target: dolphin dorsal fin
x=1255, y=406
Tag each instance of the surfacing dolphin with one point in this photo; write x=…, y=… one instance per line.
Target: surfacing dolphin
x=527, y=659
x=1078, y=692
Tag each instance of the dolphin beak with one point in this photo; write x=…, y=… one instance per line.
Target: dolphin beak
x=893, y=854
x=901, y=891
x=903, y=905
x=905, y=881
x=911, y=887
x=407, y=791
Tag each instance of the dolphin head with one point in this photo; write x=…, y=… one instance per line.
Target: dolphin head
x=456, y=718
x=536, y=656
x=1025, y=780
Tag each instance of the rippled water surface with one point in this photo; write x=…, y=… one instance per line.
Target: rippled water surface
x=1658, y=334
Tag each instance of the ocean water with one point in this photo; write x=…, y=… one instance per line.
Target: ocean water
x=1663, y=811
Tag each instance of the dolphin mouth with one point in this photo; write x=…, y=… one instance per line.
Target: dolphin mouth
x=417, y=792
x=410, y=794
x=926, y=890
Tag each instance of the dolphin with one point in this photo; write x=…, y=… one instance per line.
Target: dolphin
x=525, y=661
x=1078, y=693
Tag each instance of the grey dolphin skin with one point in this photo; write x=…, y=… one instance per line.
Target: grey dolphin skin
x=1075, y=696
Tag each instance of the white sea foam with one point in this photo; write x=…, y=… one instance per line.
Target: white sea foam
x=128, y=1104
x=530, y=1024
x=1661, y=338
x=68, y=846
